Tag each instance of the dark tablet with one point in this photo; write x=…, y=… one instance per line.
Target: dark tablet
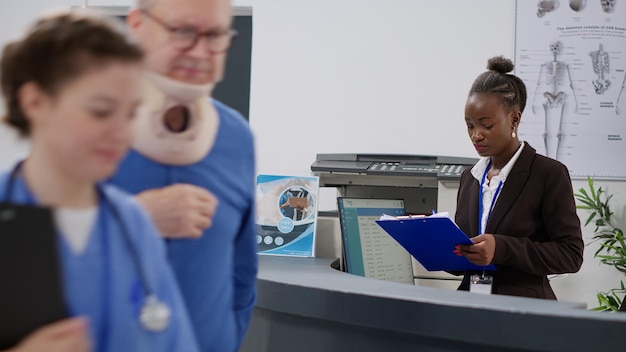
x=31, y=288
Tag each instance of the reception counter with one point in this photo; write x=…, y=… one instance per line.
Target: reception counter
x=304, y=304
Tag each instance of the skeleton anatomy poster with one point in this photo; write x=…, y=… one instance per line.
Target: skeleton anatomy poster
x=572, y=57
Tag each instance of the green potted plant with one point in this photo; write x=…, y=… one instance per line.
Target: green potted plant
x=612, y=250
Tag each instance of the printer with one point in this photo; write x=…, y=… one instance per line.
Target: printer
x=425, y=182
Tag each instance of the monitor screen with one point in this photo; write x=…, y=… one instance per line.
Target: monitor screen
x=369, y=251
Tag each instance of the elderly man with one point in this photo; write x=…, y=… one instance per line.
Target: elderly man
x=189, y=153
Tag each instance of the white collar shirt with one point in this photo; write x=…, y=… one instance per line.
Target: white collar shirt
x=490, y=187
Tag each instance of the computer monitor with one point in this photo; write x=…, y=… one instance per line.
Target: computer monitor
x=368, y=250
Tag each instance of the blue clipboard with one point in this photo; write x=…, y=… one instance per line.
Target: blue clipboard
x=431, y=241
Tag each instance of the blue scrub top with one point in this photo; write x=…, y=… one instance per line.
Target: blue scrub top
x=103, y=282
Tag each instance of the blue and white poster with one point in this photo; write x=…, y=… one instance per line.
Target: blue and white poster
x=286, y=214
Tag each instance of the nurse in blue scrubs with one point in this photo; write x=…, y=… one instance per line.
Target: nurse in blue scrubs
x=72, y=86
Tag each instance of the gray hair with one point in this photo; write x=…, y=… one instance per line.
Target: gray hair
x=145, y=4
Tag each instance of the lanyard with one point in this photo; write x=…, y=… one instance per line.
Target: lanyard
x=480, y=200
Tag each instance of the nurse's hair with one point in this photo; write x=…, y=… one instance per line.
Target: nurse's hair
x=56, y=50
x=509, y=88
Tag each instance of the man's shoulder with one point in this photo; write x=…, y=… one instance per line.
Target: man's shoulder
x=4, y=176
x=230, y=114
x=232, y=123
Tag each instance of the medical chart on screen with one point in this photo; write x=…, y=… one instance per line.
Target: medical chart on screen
x=383, y=258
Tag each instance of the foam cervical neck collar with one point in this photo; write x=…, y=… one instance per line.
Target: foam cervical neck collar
x=155, y=141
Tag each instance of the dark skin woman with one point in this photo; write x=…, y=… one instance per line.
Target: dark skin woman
x=516, y=205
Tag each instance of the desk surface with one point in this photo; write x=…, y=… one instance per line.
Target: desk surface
x=310, y=289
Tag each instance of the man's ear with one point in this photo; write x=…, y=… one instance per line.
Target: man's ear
x=33, y=101
x=134, y=20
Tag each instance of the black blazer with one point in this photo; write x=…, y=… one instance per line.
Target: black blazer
x=534, y=223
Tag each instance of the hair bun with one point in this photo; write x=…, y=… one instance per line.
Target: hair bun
x=500, y=64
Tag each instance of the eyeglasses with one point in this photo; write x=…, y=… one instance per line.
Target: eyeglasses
x=186, y=37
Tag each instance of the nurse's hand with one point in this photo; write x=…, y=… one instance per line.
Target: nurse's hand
x=180, y=210
x=481, y=252
x=68, y=335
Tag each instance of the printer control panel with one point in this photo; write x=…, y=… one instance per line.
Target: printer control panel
x=437, y=167
x=450, y=170
x=406, y=169
x=399, y=168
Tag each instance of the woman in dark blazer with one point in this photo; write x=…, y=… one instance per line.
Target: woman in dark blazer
x=516, y=205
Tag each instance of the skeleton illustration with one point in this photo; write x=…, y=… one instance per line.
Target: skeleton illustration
x=577, y=5
x=600, y=61
x=553, y=76
x=544, y=6
x=607, y=5
x=620, y=95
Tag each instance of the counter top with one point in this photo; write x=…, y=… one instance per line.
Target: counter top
x=310, y=289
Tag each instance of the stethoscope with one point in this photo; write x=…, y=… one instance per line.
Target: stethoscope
x=154, y=314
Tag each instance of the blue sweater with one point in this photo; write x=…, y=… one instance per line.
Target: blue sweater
x=216, y=273
x=103, y=283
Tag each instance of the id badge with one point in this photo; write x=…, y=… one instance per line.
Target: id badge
x=481, y=284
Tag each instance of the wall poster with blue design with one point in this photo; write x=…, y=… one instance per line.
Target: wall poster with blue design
x=286, y=214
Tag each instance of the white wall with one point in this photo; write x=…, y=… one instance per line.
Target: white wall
x=377, y=76
x=363, y=76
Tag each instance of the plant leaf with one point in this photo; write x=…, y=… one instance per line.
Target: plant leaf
x=590, y=182
x=591, y=216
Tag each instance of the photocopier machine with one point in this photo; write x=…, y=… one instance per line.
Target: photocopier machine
x=425, y=182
